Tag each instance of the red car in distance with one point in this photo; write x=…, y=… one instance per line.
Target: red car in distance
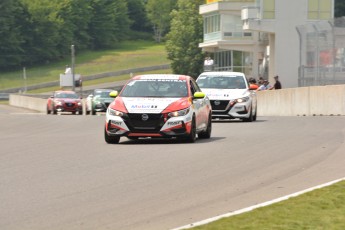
x=64, y=101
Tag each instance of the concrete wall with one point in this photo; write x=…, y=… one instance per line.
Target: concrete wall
x=304, y=101
x=27, y=102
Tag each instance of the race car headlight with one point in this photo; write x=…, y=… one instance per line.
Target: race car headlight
x=58, y=102
x=79, y=103
x=243, y=99
x=178, y=113
x=114, y=112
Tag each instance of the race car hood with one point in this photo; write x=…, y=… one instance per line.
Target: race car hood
x=154, y=105
x=225, y=94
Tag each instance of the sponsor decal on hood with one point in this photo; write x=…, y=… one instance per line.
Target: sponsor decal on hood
x=147, y=105
x=225, y=94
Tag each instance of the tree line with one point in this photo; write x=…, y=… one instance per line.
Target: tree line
x=41, y=31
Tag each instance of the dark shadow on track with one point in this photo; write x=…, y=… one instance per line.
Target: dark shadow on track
x=154, y=141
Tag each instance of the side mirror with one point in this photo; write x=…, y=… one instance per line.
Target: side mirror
x=113, y=94
x=199, y=95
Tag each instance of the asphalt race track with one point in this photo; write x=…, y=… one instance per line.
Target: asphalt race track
x=56, y=171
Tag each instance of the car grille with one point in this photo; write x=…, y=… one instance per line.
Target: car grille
x=219, y=104
x=69, y=104
x=136, y=123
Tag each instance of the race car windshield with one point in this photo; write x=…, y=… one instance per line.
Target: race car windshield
x=156, y=88
x=103, y=94
x=221, y=82
x=66, y=95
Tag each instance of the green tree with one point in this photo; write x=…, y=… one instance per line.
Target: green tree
x=184, y=37
x=45, y=30
x=11, y=40
x=158, y=12
x=122, y=21
x=137, y=15
x=76, y=15
x=109, y=23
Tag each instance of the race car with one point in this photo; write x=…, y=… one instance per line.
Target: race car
x=159, y=106
x=64, y=101
x=231, y=96
x=98, y=101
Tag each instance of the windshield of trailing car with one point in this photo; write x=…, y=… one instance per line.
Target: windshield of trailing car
x=221, y=82
x=102, y=94
x=66, y=95
x=155, y=88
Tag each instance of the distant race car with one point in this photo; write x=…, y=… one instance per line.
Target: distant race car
x=230, y=94
x=64, y=101
x=159, y=106
x=98, y=101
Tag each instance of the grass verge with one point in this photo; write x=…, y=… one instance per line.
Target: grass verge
x=131, y=54
x=321, y=209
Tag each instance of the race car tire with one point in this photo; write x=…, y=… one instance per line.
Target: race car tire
x=207, y=133
x=250, y=118
x=111, y=139
x=54, y=112
x=254, y=117
x=192, y=135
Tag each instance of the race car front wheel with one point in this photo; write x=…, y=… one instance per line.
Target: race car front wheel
x=207, y=132
x=111, y=139
x=192, y=135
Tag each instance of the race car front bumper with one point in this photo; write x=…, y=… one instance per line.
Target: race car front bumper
x=157, y=125
x=230, y=109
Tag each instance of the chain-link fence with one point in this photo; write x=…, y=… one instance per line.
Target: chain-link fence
x=322, y=53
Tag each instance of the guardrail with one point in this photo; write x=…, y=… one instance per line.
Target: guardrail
x=4, y=96
x=304, y=101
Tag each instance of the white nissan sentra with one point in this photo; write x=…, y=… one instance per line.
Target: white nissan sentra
x=159, y=106
x=230, y=95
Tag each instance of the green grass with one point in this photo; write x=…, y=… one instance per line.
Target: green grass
x=4, y=102
x=131, y=54
x=321, y=209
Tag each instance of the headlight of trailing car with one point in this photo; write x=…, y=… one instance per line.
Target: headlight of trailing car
x=114, y=112
x=58, y=102
x=178, y=113
x=243, y=99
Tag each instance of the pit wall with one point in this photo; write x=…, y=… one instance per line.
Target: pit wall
x=304, y=101
x=24, y=101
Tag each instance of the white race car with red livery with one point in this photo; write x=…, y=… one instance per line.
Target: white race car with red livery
x=159, y=106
